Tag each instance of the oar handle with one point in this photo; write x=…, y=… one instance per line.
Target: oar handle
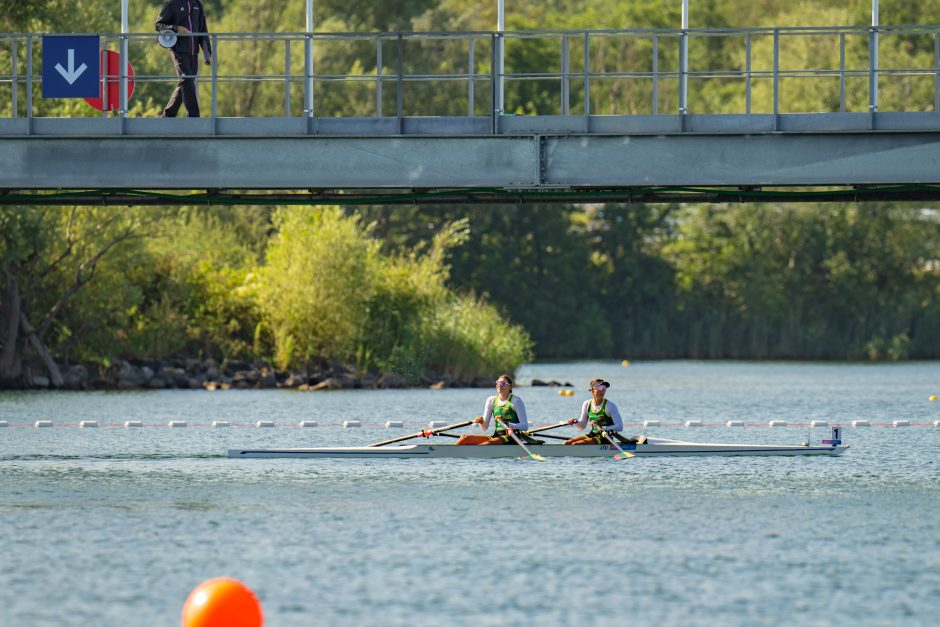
x=424, y=433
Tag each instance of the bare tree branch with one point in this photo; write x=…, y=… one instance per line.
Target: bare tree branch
x=87, y=269
x=69, y=245
x=54, y=373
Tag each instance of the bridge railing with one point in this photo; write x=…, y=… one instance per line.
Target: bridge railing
x=558, y=73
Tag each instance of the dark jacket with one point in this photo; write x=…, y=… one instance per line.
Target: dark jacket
x=188, y=13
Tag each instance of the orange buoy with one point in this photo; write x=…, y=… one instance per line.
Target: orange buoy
x=222, y=602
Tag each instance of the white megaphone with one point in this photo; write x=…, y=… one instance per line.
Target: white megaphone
x=167, y=39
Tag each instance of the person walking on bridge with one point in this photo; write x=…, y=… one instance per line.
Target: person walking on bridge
x=185, y=17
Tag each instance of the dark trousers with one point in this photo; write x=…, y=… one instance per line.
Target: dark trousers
x=187, y=66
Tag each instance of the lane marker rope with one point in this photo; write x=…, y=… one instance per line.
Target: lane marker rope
x=398, y=424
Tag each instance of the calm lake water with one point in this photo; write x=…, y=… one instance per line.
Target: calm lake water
x=115, y=526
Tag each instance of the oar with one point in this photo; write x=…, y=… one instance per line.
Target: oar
x=425, y=433
x=556, y=437
x=623, y=454
x=515, y=437
x=540, y=429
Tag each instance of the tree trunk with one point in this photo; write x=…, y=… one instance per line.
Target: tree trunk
x=11, y=354
x=54, y=374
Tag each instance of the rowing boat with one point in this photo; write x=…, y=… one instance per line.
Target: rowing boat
x=654, y=447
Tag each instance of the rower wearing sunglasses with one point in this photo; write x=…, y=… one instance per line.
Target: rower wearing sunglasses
x=507, y=411
x=601, y=414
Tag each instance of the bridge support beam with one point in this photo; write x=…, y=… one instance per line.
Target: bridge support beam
x=506, y=162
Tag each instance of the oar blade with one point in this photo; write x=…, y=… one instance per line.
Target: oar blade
x=536, y=457
x=624, y=455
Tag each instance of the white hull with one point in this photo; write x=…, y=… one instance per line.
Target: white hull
x=655, y=447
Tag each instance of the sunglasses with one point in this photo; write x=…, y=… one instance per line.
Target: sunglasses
x=600, y=388
x=501, y=384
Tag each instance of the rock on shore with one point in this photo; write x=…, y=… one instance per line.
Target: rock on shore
x=210, y=375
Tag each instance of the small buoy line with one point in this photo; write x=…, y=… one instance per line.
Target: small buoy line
x=434, y=424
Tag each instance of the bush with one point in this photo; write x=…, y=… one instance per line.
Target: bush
x=466, y=338
x=314, y=290
x=328, y=293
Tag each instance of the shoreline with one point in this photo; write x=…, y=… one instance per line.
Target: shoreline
x=193, y=374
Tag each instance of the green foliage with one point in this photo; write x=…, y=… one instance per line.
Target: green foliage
x=107, y=283
x=315, y=286
x=831, y=282
x=450, y=290
x=467, y=338
x=191, y=282
x=328, y=292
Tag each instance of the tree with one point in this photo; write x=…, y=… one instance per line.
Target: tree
x=47, y=256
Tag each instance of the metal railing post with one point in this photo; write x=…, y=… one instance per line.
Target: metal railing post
x=747, y=73
x=873, y=60
x=286, y=77
x=123, y=69
x=494, y=79
x=587, y=82
x=378, y=77
x=215, y=81
x=29, y=84
x=500, y=74
x=842, y=72
x=684, y=60
x=106, y=81
x=122, y=103
x=565, y=70
x=501, y=56
x=655, y=108
x=308, y=66
x=16, y=78
x=936, y=72
x=471, y=69
x=873, y=70
x=308, y=76
x=684, y=67
x=776, y=76
x=683, y=73
x=399, y=96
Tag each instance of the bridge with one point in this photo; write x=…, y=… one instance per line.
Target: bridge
x=438, y=118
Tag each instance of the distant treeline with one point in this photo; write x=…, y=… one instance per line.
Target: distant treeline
x=466, y=292
x=469, y=291
x=756, y=281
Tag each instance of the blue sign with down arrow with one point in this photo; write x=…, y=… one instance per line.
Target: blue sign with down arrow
x=71, y=66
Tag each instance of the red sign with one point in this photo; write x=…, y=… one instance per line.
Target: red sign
x=111, y=77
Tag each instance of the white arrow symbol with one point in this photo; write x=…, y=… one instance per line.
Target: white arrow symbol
x=72, y=74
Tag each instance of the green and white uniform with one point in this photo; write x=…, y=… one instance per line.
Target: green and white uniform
x=606, y=415
x=511, y=412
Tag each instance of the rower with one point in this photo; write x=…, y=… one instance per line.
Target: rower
x=511, y=413
x=602, y=414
